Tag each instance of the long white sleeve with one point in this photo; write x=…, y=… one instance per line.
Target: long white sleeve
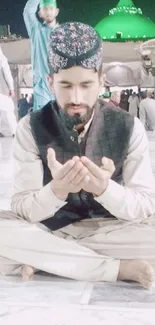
x=136, y=199
x=31, y=200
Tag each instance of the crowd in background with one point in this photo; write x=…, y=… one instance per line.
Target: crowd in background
x=25, y=104
x=141, y=104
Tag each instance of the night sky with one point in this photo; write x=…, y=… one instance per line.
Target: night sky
x=88, y=11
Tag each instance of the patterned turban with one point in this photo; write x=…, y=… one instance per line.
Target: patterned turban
x=74, y=44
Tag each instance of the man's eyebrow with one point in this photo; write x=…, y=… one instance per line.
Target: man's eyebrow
x=64, y=82
x=87, y=82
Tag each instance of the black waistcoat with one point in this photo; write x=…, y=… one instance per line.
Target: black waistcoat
x=108, y=135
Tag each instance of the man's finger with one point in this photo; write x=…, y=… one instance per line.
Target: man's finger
x=80, y=176
x=51, y=152
x=65, y=169
x=85, y=181
x=73, y=172
x=76, y=158
x=53, y=163
x=58, y=170
x=94, y=169
x=108, y=164
x=51, y=157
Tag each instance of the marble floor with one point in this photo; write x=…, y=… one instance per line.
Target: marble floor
x=54, y=301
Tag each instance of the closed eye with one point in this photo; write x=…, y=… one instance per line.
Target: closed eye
x=86, y=85
x=67, y=86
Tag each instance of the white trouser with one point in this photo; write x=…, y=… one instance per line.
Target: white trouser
x=89, y=250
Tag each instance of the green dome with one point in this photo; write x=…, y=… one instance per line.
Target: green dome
x=125, y=22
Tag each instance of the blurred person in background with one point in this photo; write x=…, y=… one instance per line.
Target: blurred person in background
x=124, y=101
x=31, y=100
x=8, y=121
x=21, y=100
x=40, y=20
x=23, y=106
x=147, y=110
x=133, y=104
x=115, y=98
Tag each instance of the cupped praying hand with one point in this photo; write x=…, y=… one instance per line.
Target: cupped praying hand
x=79, y=173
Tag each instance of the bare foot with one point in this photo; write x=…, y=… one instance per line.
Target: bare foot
x=27, y=273
x=137, y=270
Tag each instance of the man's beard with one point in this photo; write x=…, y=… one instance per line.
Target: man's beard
x=76, y=119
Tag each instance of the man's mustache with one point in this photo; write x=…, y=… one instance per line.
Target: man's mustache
x=70, y=105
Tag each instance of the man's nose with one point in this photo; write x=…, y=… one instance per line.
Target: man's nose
x=76, y=96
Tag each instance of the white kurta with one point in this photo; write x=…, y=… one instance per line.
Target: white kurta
x=8, y=123
x=32, y=200
x=88, y=250
x=133, y=105
x=147, y=113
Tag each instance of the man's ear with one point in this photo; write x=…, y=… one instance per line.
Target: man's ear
x=57, y=11
x=40, y=13
x=50, y=83
x=102, y=79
